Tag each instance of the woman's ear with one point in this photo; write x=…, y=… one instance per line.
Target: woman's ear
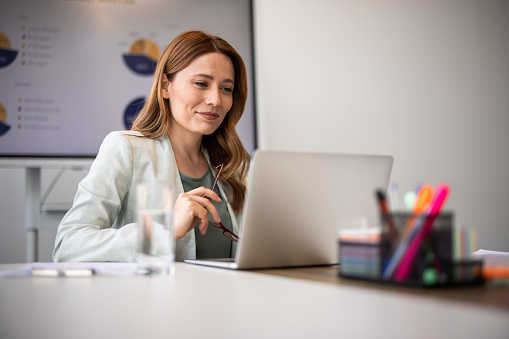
x=166, y=87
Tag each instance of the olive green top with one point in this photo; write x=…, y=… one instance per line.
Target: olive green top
x=213, y=244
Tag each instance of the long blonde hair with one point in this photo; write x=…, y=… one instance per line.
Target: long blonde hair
x=224, y=145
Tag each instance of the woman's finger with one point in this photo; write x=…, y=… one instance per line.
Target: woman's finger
x=189, y=208
x=205, y=202
x=205, y=192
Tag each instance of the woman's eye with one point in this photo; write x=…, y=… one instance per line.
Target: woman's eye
x=228, y=90
x=200, y=84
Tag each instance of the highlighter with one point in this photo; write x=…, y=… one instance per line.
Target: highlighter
x=415, y=222
x=405, y=267
x=423, y=199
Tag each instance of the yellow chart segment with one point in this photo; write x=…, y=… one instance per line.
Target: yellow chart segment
x=4, y=41
x=3, y=113
x=145, y=47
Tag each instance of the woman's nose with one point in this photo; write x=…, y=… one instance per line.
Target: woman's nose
x=213, y=97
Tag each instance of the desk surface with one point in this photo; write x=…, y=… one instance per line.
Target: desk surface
x=204, y=302
x=489, y=296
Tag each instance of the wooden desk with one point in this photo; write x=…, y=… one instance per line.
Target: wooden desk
x=489, y=296
x=204, y=302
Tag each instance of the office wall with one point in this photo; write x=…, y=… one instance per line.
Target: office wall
x=12, y=224
x=424, y=81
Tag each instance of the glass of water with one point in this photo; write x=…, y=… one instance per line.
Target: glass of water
x=156, y=237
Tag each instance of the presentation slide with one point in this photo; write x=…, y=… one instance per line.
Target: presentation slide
x=71, y=71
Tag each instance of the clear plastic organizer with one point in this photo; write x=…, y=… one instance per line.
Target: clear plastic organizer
x=424, y=253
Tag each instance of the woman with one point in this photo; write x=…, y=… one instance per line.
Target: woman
x=183, y=133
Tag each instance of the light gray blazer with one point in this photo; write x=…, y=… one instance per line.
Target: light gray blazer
x=100, y=226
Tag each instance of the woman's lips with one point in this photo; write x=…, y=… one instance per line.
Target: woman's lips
x=209, y=115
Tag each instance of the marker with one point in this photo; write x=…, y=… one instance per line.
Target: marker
x=424, y=197
x=422, y=200
x=494, y=272
x=415, y=222
x=405, y=267
x=400, y=250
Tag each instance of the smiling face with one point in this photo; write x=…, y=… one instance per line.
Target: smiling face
x=200, y=95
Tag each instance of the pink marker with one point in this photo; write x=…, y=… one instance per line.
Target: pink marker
x=405, y=267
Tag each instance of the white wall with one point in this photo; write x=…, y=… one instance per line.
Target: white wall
x=12, y=233
x=12, y=223
x=425, y=81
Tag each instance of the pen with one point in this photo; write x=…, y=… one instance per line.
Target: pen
x=382, y=203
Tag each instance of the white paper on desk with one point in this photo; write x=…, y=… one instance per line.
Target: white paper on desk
x=492, y=258
x=99, y=268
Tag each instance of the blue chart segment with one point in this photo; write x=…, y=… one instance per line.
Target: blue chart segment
x=142, y=57
x=3, y=117
x=7, y=55
x=132, y=110
x=140, y=64
x=4, y=128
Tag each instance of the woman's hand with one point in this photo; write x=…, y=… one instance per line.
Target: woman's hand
x=193, y=206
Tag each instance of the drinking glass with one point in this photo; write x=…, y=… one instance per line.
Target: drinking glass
x=156, y=236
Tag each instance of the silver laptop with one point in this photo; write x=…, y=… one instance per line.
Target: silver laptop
x=294, y=203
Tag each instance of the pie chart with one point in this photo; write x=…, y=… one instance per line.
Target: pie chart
x=132, y=110
x=142, y=57
x=3, y=117
x=7, y=55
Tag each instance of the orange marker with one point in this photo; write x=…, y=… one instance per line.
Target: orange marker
x=423, y=199
x=493, y=272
